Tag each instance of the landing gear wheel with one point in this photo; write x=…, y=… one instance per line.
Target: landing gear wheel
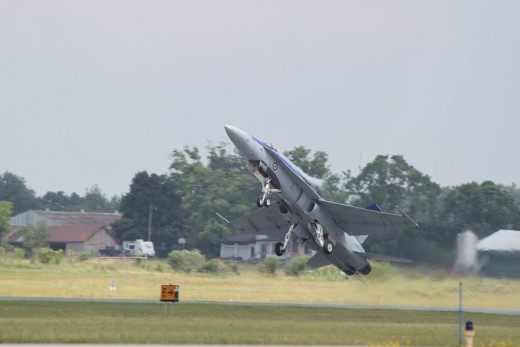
x=259, y=201
x=328, y=247
x=267, y=202
x=278, y=249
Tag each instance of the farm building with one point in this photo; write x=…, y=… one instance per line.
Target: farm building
x=499, y=254
x=257, y=247
x=79, y=232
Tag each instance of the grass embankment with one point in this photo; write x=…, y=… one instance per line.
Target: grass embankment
x=79, y=322
x=385, y=286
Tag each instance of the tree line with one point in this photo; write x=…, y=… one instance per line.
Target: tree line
x=183, y=203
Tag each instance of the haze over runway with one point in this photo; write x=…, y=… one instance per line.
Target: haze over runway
x=93, y=92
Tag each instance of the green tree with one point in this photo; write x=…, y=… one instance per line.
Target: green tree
x=96, y=201
x=223, y=186
x=330, y=185
x=484, y=208
x=156, y=196
x=5, y=215
x=93, y=201
x=14, y=189
x=390, y=182
x=315, y=166
x=56, y=201
x=35, y=236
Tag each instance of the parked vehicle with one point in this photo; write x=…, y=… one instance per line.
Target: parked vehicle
x=139, y=247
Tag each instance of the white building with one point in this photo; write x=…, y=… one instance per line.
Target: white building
x=256, y=247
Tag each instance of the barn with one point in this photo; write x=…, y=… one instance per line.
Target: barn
x=79, y=232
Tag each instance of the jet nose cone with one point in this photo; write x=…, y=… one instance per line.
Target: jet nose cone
x=237, y=136
x=240, y=138
x=228, y=128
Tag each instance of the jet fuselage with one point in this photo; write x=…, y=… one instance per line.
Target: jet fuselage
x=299, y=203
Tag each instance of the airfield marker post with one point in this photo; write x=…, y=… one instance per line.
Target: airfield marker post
x=460, y=313
x=469, y=333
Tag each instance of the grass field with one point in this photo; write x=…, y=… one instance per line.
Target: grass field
x=81, y=322
x=56, y=322
x=389, y=287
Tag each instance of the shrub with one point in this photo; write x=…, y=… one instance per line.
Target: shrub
x=213, y=266
x=58, y=256
x=19, y=253
x=331, y=273
x=186, y=261
x=233, y=266
x=296, y=266
x=86, y=256
x=382, y=270
x=269, y=265
x=44, y=255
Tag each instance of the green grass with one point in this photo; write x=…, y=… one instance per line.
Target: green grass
x=82, y=322
x=385, y=286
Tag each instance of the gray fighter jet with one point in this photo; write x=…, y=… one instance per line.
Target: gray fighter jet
x=334, y=231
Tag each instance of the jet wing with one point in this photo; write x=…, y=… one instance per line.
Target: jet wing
x=264, y=221
x=359, y=221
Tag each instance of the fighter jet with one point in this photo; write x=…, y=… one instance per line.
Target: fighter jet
x=334, y=231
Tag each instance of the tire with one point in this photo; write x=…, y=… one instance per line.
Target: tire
x=278, y=249
x=259, y=202
x=267, y=202
x=328, y=247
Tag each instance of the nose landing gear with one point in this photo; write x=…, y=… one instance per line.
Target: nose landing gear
x=264, y=200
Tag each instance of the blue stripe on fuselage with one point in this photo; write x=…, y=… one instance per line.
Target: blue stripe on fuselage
x=286, y=161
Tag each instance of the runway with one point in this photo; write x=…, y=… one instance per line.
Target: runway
x=514, y=311
x=146, y=345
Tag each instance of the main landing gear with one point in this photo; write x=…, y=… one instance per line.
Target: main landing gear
x=263, y=200
x=317, y=231
x=279, y=248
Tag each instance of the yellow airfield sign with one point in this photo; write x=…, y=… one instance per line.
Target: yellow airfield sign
x=170, y=292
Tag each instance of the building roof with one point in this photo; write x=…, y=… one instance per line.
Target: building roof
x=64, y=234
x=250, y=239
x=502, y=241
x=55, y=218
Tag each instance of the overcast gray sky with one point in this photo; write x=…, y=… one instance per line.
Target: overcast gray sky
x=94, y=91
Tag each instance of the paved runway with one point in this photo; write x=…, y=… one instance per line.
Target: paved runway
x=144, y=345
x=513, y=311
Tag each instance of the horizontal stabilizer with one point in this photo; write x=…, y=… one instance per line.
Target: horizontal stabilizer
x=317, y=261
x=386, y=258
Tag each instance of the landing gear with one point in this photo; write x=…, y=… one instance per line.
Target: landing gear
x=328, y=246
x=263, y=200
x=317, y=231
x=280, y=248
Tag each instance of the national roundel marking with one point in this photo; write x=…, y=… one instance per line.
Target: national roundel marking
x=275, y=165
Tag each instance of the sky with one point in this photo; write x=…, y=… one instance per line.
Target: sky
x=92, y=92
